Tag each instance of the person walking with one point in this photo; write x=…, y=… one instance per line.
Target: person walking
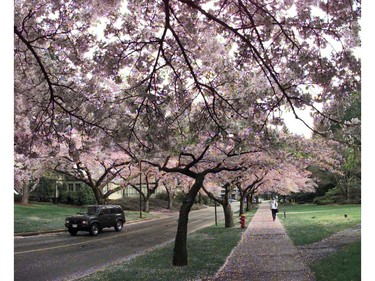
x=274, y=208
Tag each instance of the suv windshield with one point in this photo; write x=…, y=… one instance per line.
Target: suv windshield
x=92, y=210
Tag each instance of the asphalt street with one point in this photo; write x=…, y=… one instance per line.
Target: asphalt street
x=61, y=256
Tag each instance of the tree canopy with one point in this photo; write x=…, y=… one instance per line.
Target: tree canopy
x=189, y=87
x=154, y=65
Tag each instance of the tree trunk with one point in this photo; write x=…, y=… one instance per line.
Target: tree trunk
x=249, y=202
x=180, y=256
x=169, y=199
x=170, y=203
x=348, y=185
x=228, y=214
x=98, y=195
x=242, y=204
x=146, y=205
x=25, y=193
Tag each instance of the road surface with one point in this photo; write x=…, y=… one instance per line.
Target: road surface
x=64, y=257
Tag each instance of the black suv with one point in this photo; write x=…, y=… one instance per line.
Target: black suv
x=96, y=217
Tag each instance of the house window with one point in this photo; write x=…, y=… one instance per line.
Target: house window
x=70, y=187
x=78, y=186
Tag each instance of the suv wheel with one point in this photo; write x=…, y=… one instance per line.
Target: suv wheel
x=72, y=231
x=94, y=229
x=118, y=226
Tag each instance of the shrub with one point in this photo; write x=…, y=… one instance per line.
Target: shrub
x=132, y=204
x=335, y=196
x=206, y=199
x=83, y=196
x=162, y=196
x=45, y=191
x=66, y=197
x=125, y=205
x=303, y=197
x=322, y=200
x=179, y=197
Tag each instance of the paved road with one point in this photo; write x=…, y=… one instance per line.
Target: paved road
x=64, y=257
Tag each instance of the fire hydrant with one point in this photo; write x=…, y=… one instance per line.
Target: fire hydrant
x=242, y=221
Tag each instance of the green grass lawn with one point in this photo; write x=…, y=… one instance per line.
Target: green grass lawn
x=208, y=249
x=41, y=217
x=344, y=265
x=46, y=217
x=307, y=223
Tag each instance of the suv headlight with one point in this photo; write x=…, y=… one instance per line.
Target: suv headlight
x=67, y=221
x=85, y=222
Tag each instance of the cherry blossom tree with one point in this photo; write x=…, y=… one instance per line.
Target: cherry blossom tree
x=248, y=186
x=160, y=54
x=86, y=159
x=197, y=167
x=151, y=179
x=27, y=173
x=214, y=192
x=181, y=85
x=173, y=184
x=33, y=153
x=287, y=181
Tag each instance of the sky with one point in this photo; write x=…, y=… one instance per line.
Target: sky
x=296, y=126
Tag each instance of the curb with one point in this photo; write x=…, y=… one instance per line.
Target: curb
x=39, y=232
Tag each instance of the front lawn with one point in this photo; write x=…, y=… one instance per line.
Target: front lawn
x=344, y=265
x=41, y=217
x=308, y=223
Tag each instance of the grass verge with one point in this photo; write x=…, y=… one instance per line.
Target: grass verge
x=344, y=265
x=41, y=217
x=306, y=224
x=49, y=217
x=208, y=249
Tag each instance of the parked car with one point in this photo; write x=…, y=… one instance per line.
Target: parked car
x=94, y=218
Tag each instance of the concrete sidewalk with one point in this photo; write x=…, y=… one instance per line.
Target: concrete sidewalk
x=265, y=252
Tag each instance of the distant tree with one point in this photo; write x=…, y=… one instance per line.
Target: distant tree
x=173, y=184
x=348, y=108
x=84, y=158
x=215, y=194
x=151, y=180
